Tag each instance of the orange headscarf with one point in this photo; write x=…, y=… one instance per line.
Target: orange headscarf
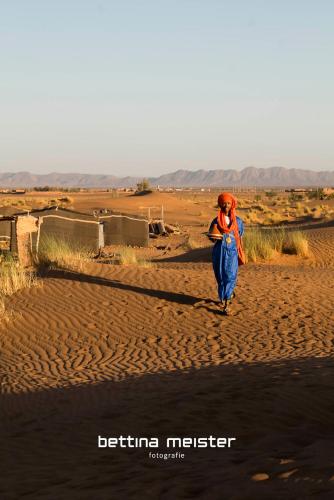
x=223, y=197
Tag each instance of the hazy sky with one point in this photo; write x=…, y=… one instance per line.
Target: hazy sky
x=148, y=87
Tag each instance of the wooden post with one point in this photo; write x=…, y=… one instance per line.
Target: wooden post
x=40, y=221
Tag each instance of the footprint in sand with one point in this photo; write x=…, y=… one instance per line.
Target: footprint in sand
x=91, y=326
x=260, y=476
x=284, y=461
x=162, y=308
x=287, y=474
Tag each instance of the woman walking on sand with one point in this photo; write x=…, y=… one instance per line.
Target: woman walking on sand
x=226, y=231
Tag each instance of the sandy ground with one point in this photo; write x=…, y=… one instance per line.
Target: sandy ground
x=145, y=352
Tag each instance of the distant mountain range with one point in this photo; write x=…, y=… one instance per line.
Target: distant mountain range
x=250, y=176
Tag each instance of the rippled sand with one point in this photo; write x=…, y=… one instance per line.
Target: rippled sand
x=146, y=352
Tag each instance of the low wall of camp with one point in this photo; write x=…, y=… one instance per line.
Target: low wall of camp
x=125, y=230
x=77, y=233
x=78, y=230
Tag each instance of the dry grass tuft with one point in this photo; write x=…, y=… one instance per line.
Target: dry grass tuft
x=4, y=315
x=191, y=244
x=252, y=217
x=56, y=253
x=259, y=244
x=263, y=244
x=272, y=218
x=145, y=263
x=25, y=204
x=66, y=199
x=127, y=256
x=14, y=277
x=259, y=208
x=316, y=213
x=296, y=243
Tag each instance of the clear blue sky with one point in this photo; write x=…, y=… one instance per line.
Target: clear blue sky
x=148, y=87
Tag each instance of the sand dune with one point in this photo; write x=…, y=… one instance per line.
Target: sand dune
x=146, y=352
x=175, y=209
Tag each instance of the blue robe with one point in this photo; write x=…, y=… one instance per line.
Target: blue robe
x=225, y=261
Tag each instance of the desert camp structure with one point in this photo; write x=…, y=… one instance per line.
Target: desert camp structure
x=91, y=232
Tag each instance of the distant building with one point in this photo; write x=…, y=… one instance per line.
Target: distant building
x=12, y=191
x=298, y=190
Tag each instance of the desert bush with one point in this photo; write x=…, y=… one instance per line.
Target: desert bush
x=143, y=187
x=145, y=263
x=259, y=207
x=127, y=256
x=296, y=243
x=43, y=188
x=244, y=203
x=262, y=244
x=58, y=253
x=252, y=217
x=276, y=238
x=270, y=194
x=317, y=212
x=3, y=313
x=299, y=212
x=272, y=218
x=293, y=197
x=66, y=199
x=14, y=277
x=257, y=245
x=316, y=194
x=191, y=244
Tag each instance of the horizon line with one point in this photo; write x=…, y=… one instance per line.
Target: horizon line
x=160, y=175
